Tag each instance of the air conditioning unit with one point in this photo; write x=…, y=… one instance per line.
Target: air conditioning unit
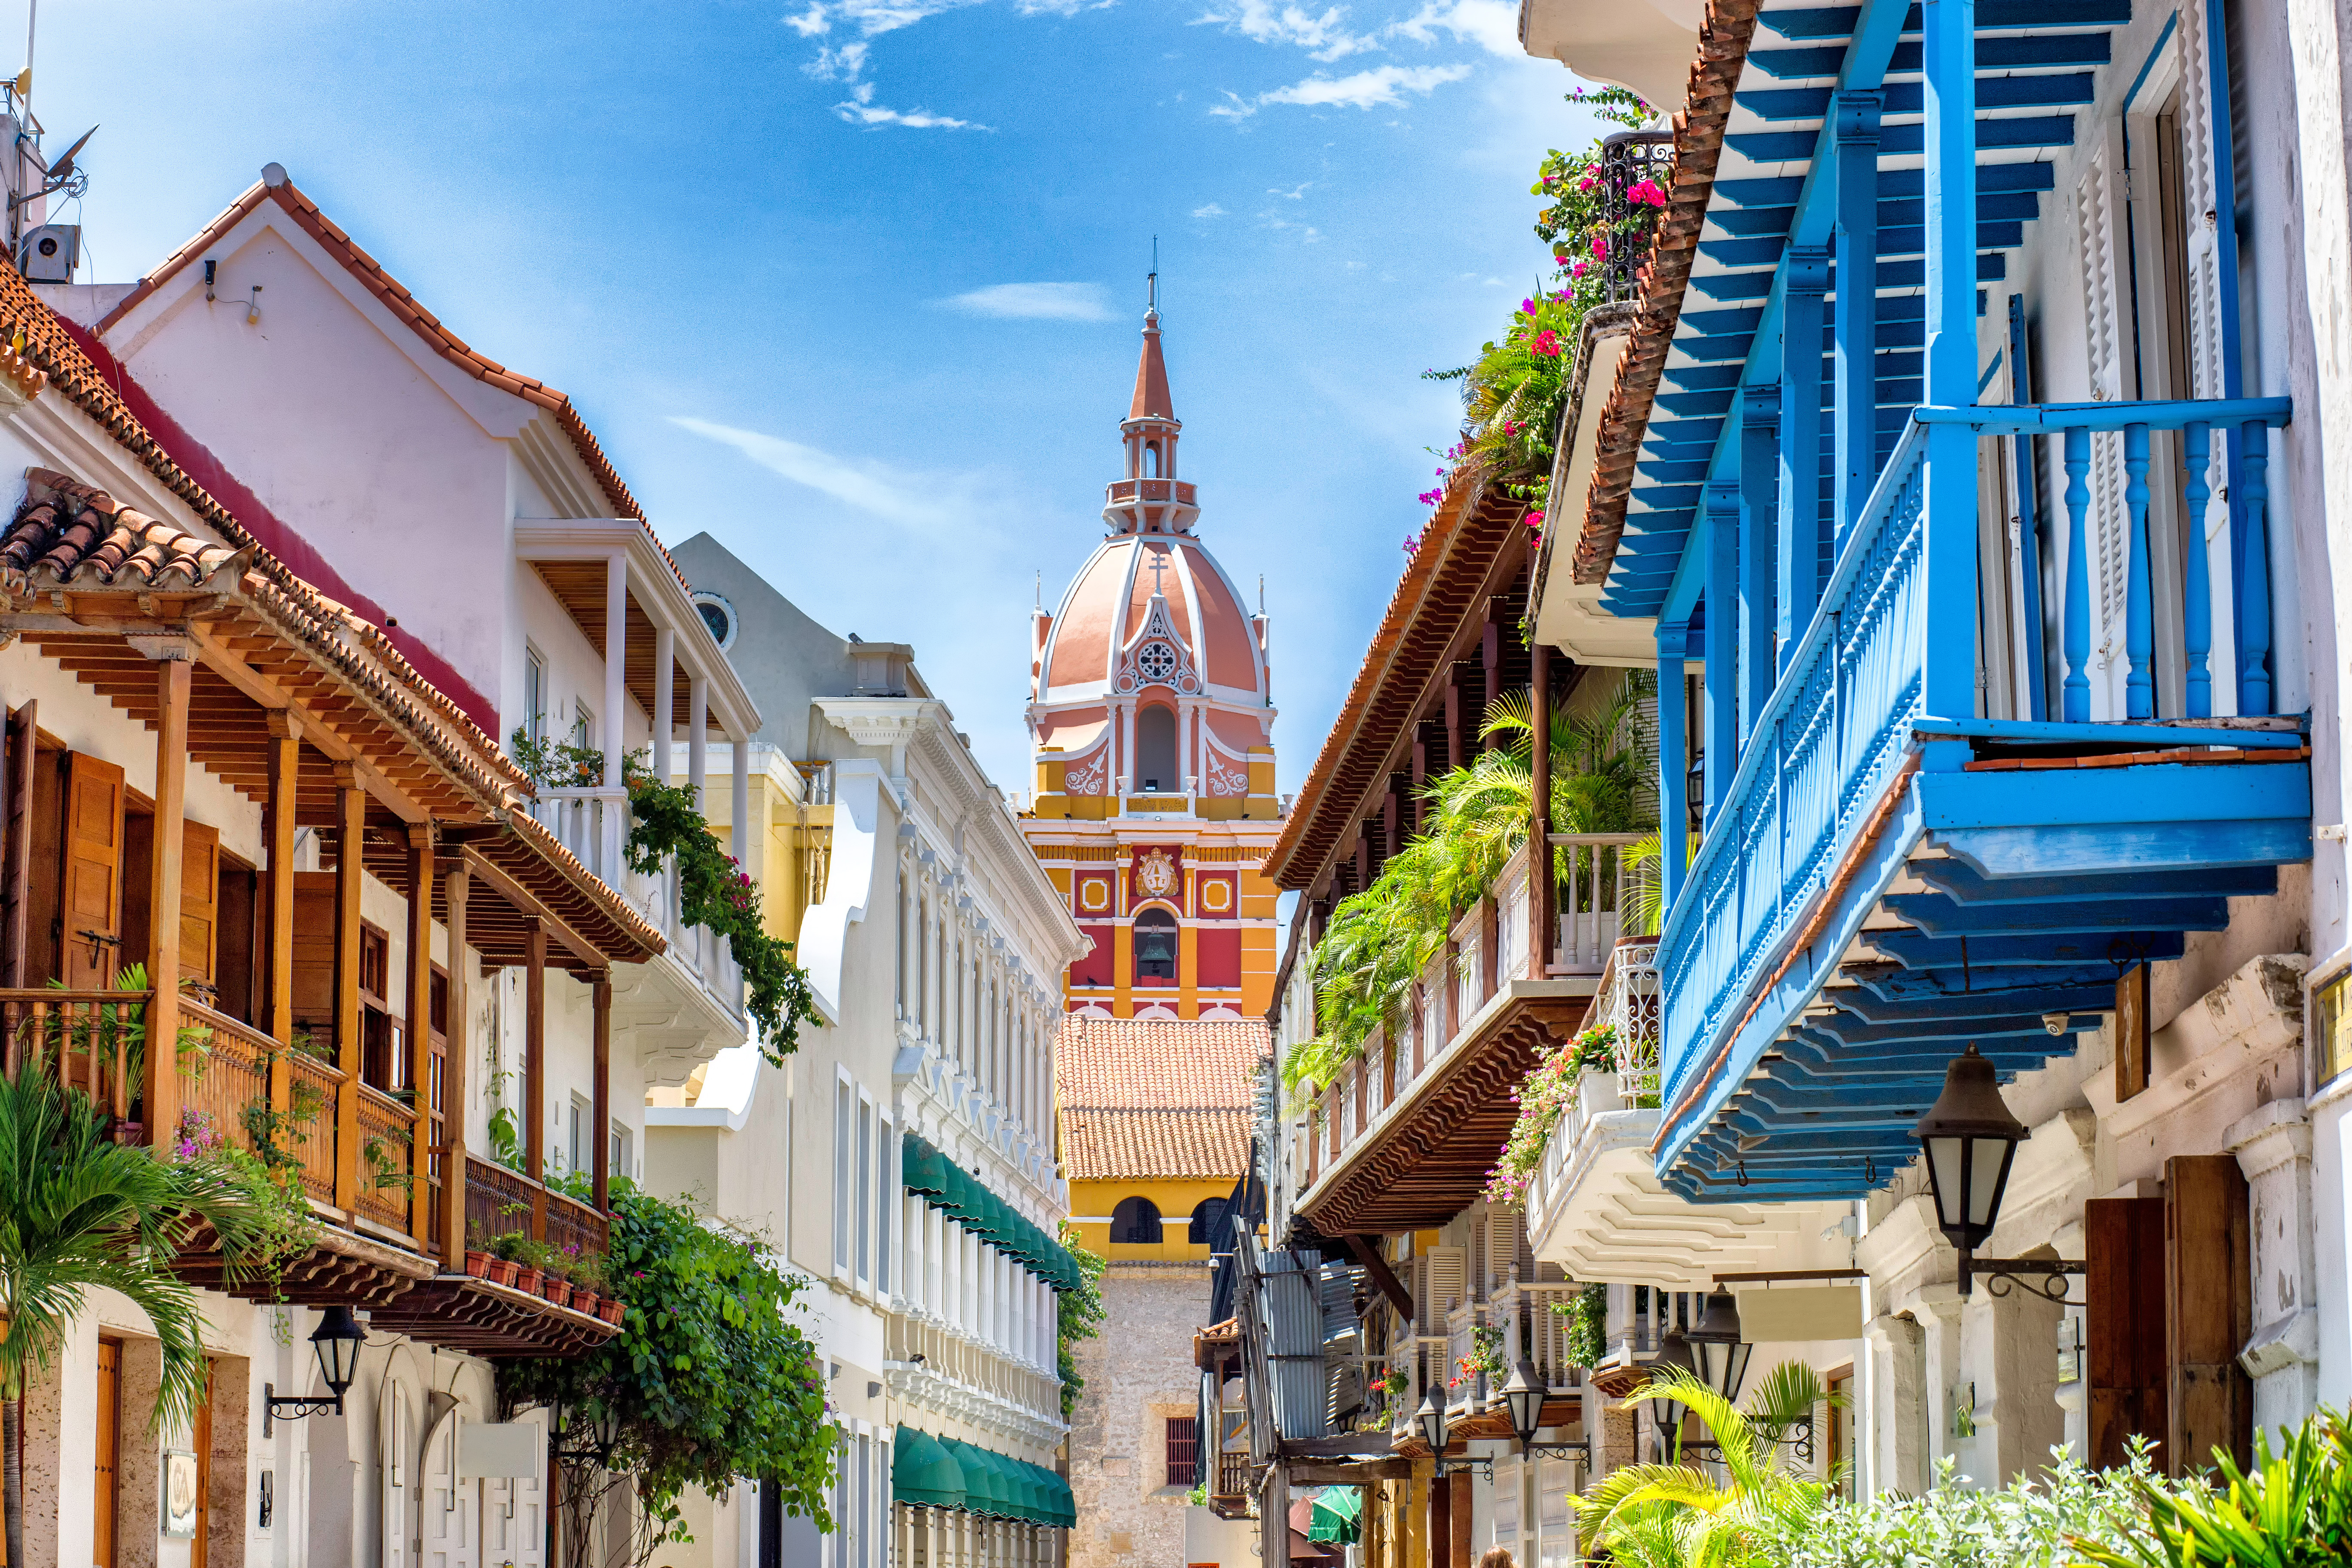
x=50, y=253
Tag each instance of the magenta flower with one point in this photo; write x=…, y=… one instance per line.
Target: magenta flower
x=1647, y=194
x=1535, y=519
x=1547, y=343
x=1600, y=248
x=1579, y=269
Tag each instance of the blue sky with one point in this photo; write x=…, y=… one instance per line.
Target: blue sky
x=855, y=284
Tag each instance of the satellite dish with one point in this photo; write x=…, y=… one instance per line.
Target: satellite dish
x=64, y=165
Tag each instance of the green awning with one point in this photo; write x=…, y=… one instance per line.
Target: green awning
x=924, y=1473
x=950, y=1188
x=983, y=1489
x=1061, y=1505
x=1336, y=1515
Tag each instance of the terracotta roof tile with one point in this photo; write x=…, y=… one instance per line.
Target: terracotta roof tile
x=1151, y=1099
x=395, y=297
x=64, y=527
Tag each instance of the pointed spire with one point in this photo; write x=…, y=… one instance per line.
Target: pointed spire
x=1152, y=399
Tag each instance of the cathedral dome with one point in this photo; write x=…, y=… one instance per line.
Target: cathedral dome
x=1103, y=641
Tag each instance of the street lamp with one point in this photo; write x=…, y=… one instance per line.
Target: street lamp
x=1673, y=1351
x=1432, y=1419
x=1717, y=1348
x=336, y=1342
x=1525, y=1396
x=1970, y=1139
x=1694, y=792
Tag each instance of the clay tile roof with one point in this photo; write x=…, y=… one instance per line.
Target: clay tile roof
x=1724, y=38
x=64, y=527
x=395, y=297
x=1158, y=1099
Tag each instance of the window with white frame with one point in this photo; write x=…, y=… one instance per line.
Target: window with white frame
x=584, y=726
x=886, y=1197
x=579, y=1121
x=864, y=1188
x=624, y=1151
x=535, y=694
x=844, y=1099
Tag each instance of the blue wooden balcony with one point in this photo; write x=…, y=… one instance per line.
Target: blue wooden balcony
x=1937, y=810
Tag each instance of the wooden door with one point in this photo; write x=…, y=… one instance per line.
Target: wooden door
x=2209, y=1290
x=203, y=1443
x=2124, y=1318
x=108, y=1491
x=90, y=905
x=314, y=958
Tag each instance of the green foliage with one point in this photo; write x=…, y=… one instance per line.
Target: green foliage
x=2293, y=1509
x=1378, y=942
x=81, y=1212
x=1517, y=388
x=1079, y=1316
x=1675, y=1515
x=1542, y=1095
x=1587, y=1313
x=2041, y=1523
x=714, y=892
x=708, y=1380
x=279, y=1227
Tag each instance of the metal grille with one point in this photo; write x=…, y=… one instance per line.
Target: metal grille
x=1183, y=1450
x=1627, y=159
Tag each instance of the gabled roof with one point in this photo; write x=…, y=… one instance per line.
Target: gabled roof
x=395, y=297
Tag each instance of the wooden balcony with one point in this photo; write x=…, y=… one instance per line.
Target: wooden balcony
x=1404, y=1138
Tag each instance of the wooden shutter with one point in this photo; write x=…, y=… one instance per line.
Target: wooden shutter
x=1183, y=1450
x=1443, y=1278
x=23, y=743
x=90, y=905
x=314, y=956
x=2208, y=1292
x=2123, y=1269
x=199, y=904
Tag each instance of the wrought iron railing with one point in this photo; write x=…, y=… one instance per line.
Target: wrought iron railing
x=1635, y=166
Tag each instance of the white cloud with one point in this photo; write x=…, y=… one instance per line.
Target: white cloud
x=812, y=22
x=839, y=65
x=1364, y=90
x=1492, y=24
x=1212, y=210
x=1323, y=36
x=1059, y=7
x=861, y=109
x=921, y=503
x=873, y=17
x=1299, y=194
x=1034, y=302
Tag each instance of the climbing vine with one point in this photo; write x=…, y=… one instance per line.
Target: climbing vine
x=714, y=891
x=1081, y=1314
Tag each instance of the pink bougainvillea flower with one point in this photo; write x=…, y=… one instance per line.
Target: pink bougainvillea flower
x=1547, y=343
x=1579, y=269
x=1647, y=194
x=1586, y=183
x=1535, y=519
x=1600, y=248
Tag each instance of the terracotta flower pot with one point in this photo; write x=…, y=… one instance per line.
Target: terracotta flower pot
x=477, y=1264
x=556, y=1289
x=526, y=1279
x=583, y=1300
x=503, y=1271
x=609, y=1310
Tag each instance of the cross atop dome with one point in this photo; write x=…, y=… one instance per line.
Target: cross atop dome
x=1151, y=498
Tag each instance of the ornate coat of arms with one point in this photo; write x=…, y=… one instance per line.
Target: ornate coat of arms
x=1155, y=873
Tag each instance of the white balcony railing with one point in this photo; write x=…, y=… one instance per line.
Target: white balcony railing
x=593, y=825
x=1627, y=1002
x=1488, y=953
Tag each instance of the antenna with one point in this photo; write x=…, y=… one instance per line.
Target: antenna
x=1153, y=305
x=1041, y=587
x=1261, y=592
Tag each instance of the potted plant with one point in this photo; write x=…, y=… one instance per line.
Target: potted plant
x=519, y=1269
x=587, y=1271
x=609, y=1310
x=479, y=1256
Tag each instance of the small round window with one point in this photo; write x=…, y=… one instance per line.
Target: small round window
x=719, y=616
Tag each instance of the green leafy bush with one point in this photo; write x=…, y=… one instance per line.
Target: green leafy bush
x=2293, y=1509
x=1078, y=1316
x=709, y=1381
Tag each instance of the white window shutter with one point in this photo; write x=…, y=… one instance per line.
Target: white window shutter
x=2100, y=229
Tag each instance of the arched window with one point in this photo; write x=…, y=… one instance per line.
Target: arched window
x=1155, y=945
x=1151, y=460
x=1209, y=1228
x=1155, y=748
x=1135, y=1223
